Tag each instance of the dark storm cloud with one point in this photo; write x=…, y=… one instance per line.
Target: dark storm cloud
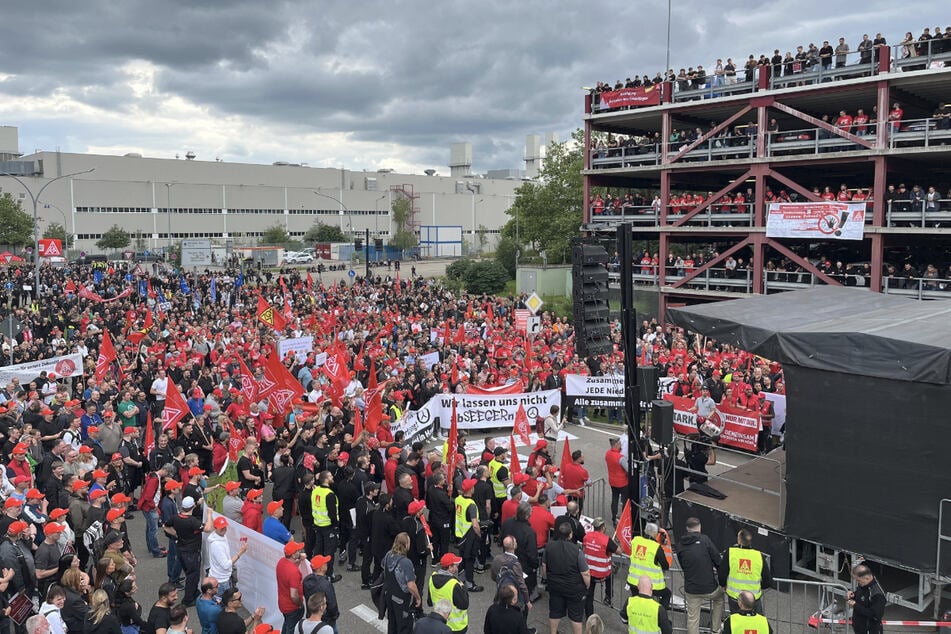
x=417, y=74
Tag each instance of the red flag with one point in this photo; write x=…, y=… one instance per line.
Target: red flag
x=454, y=375
x=522, y=429
x=147, y=325
x=249, y=386
x=107, y=356
x=396, y=283
x=70, y=286
x=516, y=466
x=357, y=423
x=310, y=281
x=151, y=293
x=622, y=532
x=358, y=363
x=278, y=385
x=447, y=334
x=149, y=435
x=335, y=368
x=175, y=409
x=460, y=337
x=374, y=410
x=267, y=315
x=452, y=446
x=371, y=381
x=565, y=461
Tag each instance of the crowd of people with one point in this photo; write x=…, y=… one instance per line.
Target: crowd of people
x=804, y=60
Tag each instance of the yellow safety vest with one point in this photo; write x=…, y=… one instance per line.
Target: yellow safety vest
x=749, y=624
x=318, y=501
x=643, y=562
x=746, y=572
x=395, y=413
x=462, y=525
x=458, y=619
x=642, y=615
x=498, y=487
x=445, y=453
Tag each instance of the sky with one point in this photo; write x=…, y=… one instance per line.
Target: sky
x=368, y=84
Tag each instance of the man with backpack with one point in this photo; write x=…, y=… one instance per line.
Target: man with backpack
x=506, y=570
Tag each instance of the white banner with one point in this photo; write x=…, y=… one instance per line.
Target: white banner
x=477, y=411
x=610, y=386
x=257, y=578
x=66, y=366
x=300, y=346
x=825, y=220
x=429, y=360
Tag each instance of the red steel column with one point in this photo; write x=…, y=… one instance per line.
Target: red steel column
x=759, y=265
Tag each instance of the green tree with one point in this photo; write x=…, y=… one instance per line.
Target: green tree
x=485, y=277
x=58, y=232
x=404, y=237
x=457, y=270
x=549, y=210
x=115, y=238
x=275, y=234
x=16, y=226
x=505, y=254
x=319, y=232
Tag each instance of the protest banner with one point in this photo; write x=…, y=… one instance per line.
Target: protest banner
x=300, y=346
x=740, y=427
x=66, y=366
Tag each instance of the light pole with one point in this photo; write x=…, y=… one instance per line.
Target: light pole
x=342, y=206
x=168, y=201
x=34, y=198
x=376, y=215
x=63, y=214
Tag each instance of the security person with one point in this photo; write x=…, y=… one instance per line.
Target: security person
x=643, y=613
x=648, y=560
x=500, y=478
x=598, y=548
x=326, y=520
x=744, y=568
x=468, y=532
x=443, y=584
x=867, y=602
x=746, y=620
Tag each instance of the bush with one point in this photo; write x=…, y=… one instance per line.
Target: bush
x=505, y=254
x=485, y=277
x=457, y=270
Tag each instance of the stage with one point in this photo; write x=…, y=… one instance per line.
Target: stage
x=755, y=491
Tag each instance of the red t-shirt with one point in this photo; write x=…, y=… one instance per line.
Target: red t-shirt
x=617, y=473
x=541, y=521
x=574, y=476
x=509, y=507
x=288, y=576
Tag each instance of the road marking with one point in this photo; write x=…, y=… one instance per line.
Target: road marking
x=369, y=615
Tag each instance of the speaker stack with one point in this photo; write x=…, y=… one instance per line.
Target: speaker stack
x=589, y=279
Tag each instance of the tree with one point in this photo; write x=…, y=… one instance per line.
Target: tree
x=58, y=232
x=320, y=232
x=485, y=277
x=16, y=226
x=404, y=238
x=505, y=252
x=457, y=270
x=549, y=210
x=115, y=238
x=275, y=234
x=482, y=235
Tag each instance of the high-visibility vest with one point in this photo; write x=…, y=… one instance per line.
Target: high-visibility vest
x=318, y=501
x=643, y=556
x=749, y=624
x=498, y=487
x=445, y=453
x=746, y=572
x=596, y=554
x=458, y=619
x=395, y=413
x=664, y=540
x=462, y=525
x=642, y=614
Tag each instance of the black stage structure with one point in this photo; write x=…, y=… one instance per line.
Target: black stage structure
x=868, y=435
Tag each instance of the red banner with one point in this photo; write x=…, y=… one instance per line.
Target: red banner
x=740, y=427
x=51, y=247
x=631, y=97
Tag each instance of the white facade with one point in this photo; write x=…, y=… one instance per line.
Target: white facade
x=187, y=199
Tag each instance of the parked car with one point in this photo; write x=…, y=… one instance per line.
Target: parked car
x=298, y=257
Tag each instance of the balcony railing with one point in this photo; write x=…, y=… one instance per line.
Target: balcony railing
x=715, y=215
x=919, y=213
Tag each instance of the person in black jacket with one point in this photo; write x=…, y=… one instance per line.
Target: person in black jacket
x=441, y=511
x=699, y=560
x=504, y=616
x=385, y=527
x=366, y=506
x=435, y=621
x=284, y=477
x=526, y=543
x=867, y=602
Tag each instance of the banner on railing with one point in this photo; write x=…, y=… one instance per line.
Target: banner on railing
x=631, y=97
x=824, y=220
x=64, y=367
x=594, y=391
x=740, y=427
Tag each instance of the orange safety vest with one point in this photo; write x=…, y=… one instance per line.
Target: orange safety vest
x=664, y=540
x=596, y=554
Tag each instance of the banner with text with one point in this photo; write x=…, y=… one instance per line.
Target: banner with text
x=631, y=97
x=594, y=391
x=64, y=367
x=475, y=411
x=825, y=220
x=740, y=427
x=300, y=346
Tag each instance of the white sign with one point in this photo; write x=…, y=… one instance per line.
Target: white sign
x=610, y=386
x=823, y=221
x=476, y=411
x=300, y=346
x=64, y=367
x=256, y=570
x=320, y=359
x=429, y=360
x=196, y=253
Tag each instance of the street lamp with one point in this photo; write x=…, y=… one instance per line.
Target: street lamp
x=34, y=198
x=342, y=206
x=168, y=201
x=63, y=214
x=376, y=215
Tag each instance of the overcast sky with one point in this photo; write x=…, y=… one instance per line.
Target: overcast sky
x=367, y=84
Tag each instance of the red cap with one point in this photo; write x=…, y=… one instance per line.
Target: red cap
x=98, y=493
x=99, y=473
x=393, y=451
x=129, y=430
x=11, y=502
x=541, y=444
x=55, y=514
x=46, y=412
x=21, y=479
x=231, y=486
x=85, y=449
x=17, y=527
x=255, y=493
x=343, y=456
x=78, y=485
x=34, y=494
x=292, y=547
x=273, y=506
x=468, y=484
x=108, y=414
x=121, y=498
x=264, y=628
x=416, y=506
x=195, y=471
x=92, y=429
x=52, y=528
x=116, y=456
x=19, y=449
x=520, y=478
x=114, y=514
x=320, y=560
x=220, y=522
x=171, y=485
x=449, y=559
x=561, y=500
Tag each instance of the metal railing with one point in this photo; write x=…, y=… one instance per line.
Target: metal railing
x=595, y=499
x=918, y=212
x=917, y=287
x=717, y=279
x=920, y=133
